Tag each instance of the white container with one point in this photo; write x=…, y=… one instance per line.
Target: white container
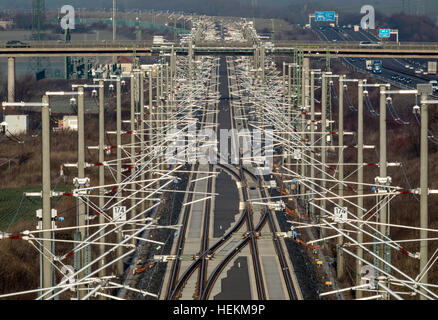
x=16, y=124
x=70, y=122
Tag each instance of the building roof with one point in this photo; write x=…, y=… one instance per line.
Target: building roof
x=120, y=60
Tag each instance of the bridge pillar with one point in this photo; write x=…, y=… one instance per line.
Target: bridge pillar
x=11, y=79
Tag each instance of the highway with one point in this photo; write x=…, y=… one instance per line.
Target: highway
x=394, y=70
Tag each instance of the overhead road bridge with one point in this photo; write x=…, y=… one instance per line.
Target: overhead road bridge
x=146, y=48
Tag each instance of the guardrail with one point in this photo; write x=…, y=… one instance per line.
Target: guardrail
x=357, y=45
x=317, y=44
x=77, y=44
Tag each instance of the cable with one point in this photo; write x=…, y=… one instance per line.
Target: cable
x=370, y=106
x=395, y=114
x=16, y=213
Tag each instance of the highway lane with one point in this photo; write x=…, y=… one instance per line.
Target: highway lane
x=394, y=70
x=350, y=34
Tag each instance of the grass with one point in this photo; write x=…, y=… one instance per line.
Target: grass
x=15, y=207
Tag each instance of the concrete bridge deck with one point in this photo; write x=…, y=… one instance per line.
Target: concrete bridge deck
x=146, y=48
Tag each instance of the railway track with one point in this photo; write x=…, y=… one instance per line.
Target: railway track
x=182, y=235
x=278, y=247
x=206, y=282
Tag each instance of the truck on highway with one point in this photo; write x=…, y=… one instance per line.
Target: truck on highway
x=432, y=67
x=377, y=66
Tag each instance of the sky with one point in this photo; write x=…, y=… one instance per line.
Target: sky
x=352, y=6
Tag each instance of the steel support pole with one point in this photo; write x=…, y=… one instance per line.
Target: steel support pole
x=151, y=118
x=167, y=83
x=133, y=155
x=142, y=136
x=47, y=268
x=284, y=81
x=312, y=137
x=114, y=20
x=323, y=141
x=166, y=107
x=161, y=112
x=11, y=79
x=424, y=188
x=255, y=59
x=172, y=75
x=101, y=168
x=340, y=254
x=289, y=111
x=359, y=294
x=305, y=103
x=119, y=162
x=289, y=86
x=262, y=62
x=81, y=218
x=119, y=137
x=383, y=210
x=114, y=27
x=157, y=116
x=284, y=135
x=190, y=57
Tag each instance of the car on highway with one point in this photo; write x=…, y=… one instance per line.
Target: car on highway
x=370, y=44
x=17, y=44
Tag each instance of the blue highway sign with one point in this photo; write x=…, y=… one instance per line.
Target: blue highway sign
x=384, y=33
x=325, y=16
